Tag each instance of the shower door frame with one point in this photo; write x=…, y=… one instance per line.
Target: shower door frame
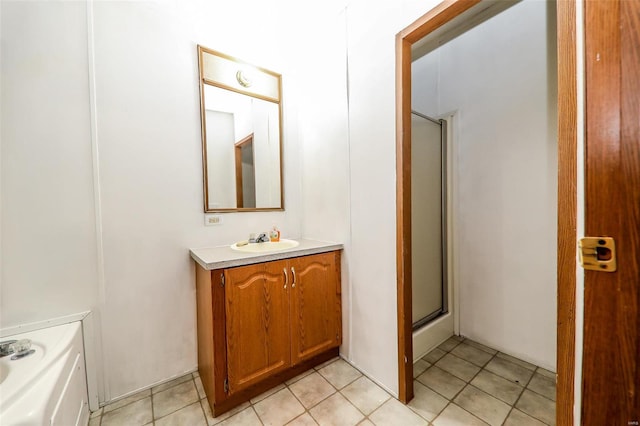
x=567, y=194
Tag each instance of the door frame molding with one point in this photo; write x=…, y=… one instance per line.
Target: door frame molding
x=567, y=195
x=567, y=210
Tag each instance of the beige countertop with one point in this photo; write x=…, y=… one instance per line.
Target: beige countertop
x=211, y=258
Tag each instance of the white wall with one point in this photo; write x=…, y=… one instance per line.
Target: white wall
x=324, y=138
x=347, y=128
x=371, y=30
x=49, y=264
x=500, y=78
x=425, y=84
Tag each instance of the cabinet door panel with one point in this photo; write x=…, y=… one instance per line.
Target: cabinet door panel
x=257, y=311
x=315, y=306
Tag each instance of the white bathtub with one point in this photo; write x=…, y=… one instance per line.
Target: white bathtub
x=48, y=387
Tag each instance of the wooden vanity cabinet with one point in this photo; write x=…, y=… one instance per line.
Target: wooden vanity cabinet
x=261, y=324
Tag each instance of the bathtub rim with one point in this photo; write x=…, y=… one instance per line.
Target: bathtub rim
x=88, y=339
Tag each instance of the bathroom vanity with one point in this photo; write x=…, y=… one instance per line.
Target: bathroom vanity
x=264, y=318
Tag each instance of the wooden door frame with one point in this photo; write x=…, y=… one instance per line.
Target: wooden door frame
x=238, y=158
x=567, y=195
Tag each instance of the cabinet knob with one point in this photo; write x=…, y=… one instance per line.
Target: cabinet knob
x=293, y=272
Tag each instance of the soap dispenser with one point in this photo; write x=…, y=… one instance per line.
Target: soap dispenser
x=274, y=235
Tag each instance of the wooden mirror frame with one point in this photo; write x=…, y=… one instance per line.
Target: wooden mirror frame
x=270, y=90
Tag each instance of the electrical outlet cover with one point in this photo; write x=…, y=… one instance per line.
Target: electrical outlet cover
x=212, y=219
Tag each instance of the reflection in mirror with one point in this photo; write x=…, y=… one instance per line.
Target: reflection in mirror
x=245, y=173
x=241, y=118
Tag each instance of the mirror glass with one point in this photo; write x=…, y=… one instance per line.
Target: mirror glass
x=241, y=134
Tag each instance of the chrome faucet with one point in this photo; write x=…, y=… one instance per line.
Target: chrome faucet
x=5, y=348
x=262, y=238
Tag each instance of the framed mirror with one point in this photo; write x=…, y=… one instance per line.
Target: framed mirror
x=241, y=116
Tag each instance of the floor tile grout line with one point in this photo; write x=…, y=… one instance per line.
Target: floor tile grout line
x=507, y=357
x=469, y=384
x=554, y=380
x=483, y=368
x=473, y=363
x=508, y=414
x=444, y=396
x=311, y=415
x=522, y=388
x=300, y=415
x=464, y=409
x=326, y=363
x=520, y=397
x=150, y=396
x=274, y=390
x=329, y=396
x=450, y=401
x=481, y=346
x=361, y=375
x=377, y=408
x=153, y=415
x=510, y=362
x=128, y=403
x=439, y=412
x=434, y=364
x=539, y=394
x=437, y=393
x=204, y=413
x=335, y=390
x=511, y=407
x=358, y=408
x=528, y=414
x=257, y=415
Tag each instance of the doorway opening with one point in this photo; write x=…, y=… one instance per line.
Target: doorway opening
x=444, y=23
x=245, y=173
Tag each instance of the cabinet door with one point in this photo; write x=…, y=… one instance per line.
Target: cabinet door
x=315, y=305
x=257, y=320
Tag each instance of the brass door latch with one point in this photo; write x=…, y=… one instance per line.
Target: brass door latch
x=598, y=254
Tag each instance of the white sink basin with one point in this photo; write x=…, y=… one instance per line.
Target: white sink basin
x=266, y=247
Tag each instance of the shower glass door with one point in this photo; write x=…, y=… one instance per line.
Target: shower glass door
x=428, y=219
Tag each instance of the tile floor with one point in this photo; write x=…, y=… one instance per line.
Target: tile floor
x=460, y=383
